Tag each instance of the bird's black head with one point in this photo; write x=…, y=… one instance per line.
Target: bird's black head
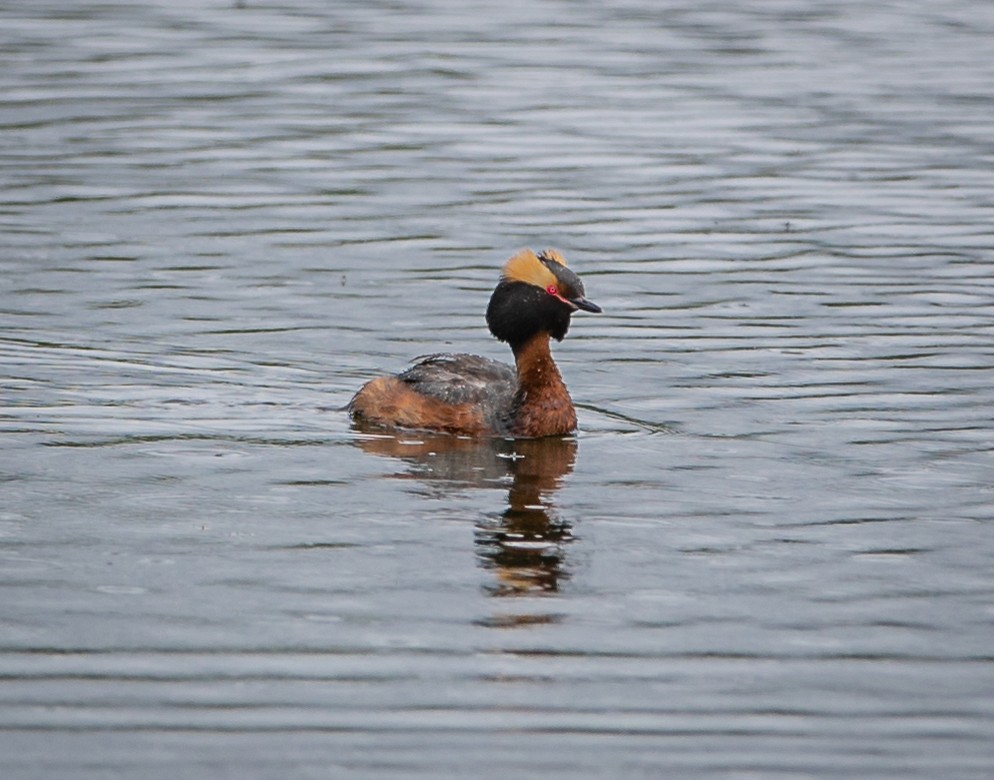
x=536, y=293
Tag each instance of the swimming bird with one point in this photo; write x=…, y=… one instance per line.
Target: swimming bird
x=476, y=396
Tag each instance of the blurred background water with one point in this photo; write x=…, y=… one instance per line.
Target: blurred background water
x=768, y=552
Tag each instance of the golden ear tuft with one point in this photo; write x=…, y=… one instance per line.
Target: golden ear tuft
x=553, y=255
x=526, y=267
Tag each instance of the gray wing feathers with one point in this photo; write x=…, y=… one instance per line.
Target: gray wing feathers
x=461, y=378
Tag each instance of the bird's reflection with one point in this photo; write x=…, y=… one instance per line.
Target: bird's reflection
x=525, y=545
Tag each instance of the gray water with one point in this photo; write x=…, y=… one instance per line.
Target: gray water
x=768, y=553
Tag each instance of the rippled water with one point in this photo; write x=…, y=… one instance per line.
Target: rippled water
x=767, y=554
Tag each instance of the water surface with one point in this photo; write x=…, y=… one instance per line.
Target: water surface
x=767, y=553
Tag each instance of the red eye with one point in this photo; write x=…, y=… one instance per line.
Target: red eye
x=551, y=289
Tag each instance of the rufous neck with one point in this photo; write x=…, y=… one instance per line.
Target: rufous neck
x=542, y=403
x=534, y=363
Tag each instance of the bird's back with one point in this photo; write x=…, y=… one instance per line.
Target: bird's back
x=461, y=378
x=460, y=393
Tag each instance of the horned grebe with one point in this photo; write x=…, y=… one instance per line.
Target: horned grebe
x=476, y=396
